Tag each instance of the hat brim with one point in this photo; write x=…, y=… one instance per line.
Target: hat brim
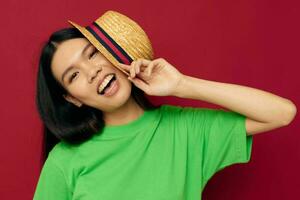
x=98, y=45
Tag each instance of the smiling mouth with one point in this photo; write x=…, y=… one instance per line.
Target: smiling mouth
x=109, y=79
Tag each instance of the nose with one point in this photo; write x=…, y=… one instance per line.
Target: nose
x=93, y=73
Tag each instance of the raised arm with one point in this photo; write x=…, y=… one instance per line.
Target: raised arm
x=264, y=111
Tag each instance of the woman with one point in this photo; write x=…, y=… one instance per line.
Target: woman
x=112, y=143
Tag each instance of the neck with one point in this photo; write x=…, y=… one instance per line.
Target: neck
x=125, y=114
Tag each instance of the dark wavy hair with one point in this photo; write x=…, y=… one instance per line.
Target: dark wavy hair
x=63, y=121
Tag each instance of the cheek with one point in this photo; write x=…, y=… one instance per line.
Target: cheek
x=80, y=90
x=124, y=82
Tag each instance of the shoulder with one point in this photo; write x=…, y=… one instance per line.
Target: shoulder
x=62, y=147
x=62, y=153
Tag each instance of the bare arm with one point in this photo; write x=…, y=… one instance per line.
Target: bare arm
x=264, y=110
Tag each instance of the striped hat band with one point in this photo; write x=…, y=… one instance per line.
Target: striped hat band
x=119, y=38
x=116, y=50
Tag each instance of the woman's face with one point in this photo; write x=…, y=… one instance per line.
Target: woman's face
x=78, y=66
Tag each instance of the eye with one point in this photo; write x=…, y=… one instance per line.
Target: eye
x=72, y=77
x=93, y=53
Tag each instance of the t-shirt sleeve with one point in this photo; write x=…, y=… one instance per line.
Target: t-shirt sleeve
x=51, y=184
x=220, y=136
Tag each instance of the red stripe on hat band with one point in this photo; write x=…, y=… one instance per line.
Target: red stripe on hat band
x=108, y=42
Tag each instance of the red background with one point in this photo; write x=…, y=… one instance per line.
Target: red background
x=253, y=43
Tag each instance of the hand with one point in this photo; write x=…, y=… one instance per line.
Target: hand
x=157, y=77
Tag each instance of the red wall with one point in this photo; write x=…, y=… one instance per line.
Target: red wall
x=253, y=43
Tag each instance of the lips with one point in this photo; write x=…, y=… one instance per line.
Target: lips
x=101, y=80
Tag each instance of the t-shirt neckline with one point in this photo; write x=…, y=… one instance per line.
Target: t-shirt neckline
x=129, y=129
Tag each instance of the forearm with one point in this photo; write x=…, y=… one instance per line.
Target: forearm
x=254, y=103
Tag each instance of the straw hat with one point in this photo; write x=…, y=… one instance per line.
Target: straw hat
x=118, y=38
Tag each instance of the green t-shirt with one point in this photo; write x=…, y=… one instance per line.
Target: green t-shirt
x=168, y=153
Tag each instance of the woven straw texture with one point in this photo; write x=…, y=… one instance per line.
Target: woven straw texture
x=125, y=32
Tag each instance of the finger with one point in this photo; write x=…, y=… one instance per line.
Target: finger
x=132, y=69
x=148, y=70
x=141, y=65
x=124, y=66
x=122, y=69
x=140, y=84
x=144, y=62
x=137, y=67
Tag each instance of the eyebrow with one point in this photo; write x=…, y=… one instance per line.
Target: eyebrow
x=71, y=67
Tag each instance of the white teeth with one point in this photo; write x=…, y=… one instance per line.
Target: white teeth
x=105, y=82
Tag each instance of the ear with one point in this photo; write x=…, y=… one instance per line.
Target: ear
x=72, y=100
